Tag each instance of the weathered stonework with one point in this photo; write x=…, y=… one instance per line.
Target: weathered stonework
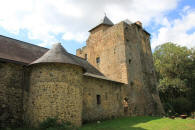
x=66, y=91
x=108, y=44
x=143, y=94
x=53, y=83
x=55, y=93
x=111, y=104
x=125, y=56
x=11, y=94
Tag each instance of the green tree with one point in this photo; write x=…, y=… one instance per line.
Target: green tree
x=175, y=68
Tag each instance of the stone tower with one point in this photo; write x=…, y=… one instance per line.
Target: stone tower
x=122, y=53
x=54, y=88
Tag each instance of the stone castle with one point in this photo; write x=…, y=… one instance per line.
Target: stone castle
x=112, y=76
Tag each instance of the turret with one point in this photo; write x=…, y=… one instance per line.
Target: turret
x=103, y=24
x=55, y=88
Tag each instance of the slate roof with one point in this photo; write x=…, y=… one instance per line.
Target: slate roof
x=100, y=77
x=104, y=21
x=22, y=52
x=19, y=51
x=57, y=54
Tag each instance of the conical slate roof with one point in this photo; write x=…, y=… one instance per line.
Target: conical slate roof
x=104, y=21
x=57, y=54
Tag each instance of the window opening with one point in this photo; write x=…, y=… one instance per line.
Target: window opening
x=85, y=56
x=98, y=99
x=98, y=60
x=129, y=61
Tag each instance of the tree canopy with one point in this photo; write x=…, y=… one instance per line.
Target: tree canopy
x=175, y=68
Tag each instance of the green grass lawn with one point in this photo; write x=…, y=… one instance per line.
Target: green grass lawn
x=136, y=123
x=142, y=123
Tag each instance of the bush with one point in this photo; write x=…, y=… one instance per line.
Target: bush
x=55, y=124
x=181, y=105
x=169, y=110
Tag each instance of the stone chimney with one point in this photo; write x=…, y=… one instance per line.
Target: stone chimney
x=139, y=23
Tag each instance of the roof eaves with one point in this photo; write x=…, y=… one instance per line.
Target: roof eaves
x=100, y=77
x=13, y=61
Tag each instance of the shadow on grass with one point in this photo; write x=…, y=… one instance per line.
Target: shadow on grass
x=125, y=123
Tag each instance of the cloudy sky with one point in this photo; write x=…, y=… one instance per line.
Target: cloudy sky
x=44, y=22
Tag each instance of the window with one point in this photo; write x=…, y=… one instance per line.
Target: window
x=127, y=40
x=98, y=60
x=129, y=61
x=98, y=99
x=85, y=56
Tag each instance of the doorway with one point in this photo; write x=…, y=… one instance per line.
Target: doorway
x=125, y=105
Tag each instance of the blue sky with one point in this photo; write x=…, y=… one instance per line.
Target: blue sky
x=44, y=22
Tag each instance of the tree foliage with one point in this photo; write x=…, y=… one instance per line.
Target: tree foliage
x=175, y=68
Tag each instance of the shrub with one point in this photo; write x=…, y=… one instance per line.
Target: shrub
x=181, y=105
x=169, y=110
x=55, y=124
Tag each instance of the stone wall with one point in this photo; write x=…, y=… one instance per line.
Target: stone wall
x=143, y=94
x=54, y=91
x=108, y=44
x=125, y=56
x=11, y=94
x=110, y=99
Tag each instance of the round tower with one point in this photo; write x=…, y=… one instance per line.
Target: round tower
x=55, y=81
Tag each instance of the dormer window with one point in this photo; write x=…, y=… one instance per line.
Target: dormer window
x=98, y=60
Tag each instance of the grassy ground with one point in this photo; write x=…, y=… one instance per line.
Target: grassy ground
x=137, y=123
x=142, y=123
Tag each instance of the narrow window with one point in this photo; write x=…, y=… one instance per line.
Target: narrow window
x=98, y=99
x=129, y=61
x=85, y=56
x=98, y=60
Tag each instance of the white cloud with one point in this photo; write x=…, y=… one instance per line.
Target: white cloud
x=44, y=19
x=177, y=31
x=185, y=8
x=79, y=37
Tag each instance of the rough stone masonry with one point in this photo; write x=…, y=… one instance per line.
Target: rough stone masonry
x=113, y=69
